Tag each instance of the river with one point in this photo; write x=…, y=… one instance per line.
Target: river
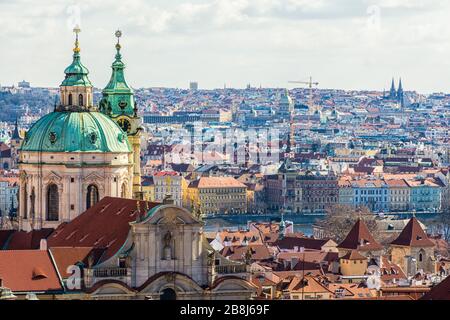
x=302, y=223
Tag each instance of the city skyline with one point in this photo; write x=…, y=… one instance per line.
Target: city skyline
x=274, y=42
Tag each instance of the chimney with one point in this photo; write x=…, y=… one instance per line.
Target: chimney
x=43, y=245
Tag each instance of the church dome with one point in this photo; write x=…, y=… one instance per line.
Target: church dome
x=70, y=131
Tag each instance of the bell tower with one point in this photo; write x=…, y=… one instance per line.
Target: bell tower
x=118, y=103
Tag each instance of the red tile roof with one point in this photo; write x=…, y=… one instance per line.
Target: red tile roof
x=359, y=238
x=28, y=271
x=290, y=242
x=353, y=255
x=65, y=257
x=413, y=236
x=21, y=240
x=5, y=235
x=440, y=292
x=258, y=251
x=105, y=225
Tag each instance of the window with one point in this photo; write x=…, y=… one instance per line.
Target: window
x=420, y=257
x=80, y=100
x=70, y=100
x=32, y=200
x=52, y=203
x=25, y=202
x=92, y=196
x=123, y=191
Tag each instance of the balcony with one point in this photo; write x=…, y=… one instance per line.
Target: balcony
x=231, y=269
x=110, y=272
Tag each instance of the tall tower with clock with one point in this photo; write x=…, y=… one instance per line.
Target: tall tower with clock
x=118, y=103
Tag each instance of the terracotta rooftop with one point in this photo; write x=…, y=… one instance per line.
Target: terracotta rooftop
x=28, y=271
x=21, y=240
x=359, y=238
x=105, y=225
x=68, y=256
x=290, y=242
x=413, y=236
x=353, y=255
x=258, y=251
x=217, y=182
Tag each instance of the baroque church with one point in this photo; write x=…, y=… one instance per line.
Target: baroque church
x=79, y=153
x=80, y=193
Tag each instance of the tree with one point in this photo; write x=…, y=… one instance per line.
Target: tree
x=441, y=226
x=341, y=218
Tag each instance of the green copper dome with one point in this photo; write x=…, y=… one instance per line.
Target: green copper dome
x=70, y=131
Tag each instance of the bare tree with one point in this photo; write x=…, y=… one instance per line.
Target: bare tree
x=441, y=226
x=341, y=218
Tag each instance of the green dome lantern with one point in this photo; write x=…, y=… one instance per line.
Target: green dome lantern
x=76, y=73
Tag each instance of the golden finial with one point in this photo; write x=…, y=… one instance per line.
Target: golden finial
x=76, y=30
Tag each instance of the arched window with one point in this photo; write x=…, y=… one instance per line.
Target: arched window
x=25, y=201
x=420, y=256
x=70, y=99
x=168, y=294
x=123, y=191
x=33, y=200
x=91, y=196
x=52, y=203
x=80, y=100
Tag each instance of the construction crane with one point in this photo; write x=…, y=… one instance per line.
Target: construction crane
x=311, y=85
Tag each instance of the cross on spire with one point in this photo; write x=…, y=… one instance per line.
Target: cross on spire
x=76, y=30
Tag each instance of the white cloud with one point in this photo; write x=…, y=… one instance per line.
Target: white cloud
x=234, y=41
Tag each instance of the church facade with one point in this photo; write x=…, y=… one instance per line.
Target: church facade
x=80, y=152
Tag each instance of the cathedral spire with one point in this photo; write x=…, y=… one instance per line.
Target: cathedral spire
x=400, y=94
x=117, y=95
x=393, y=91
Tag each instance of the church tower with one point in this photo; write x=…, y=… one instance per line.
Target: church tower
x=16, y=140
x=72, y=157
x=118, y=103
x=400, y=93
x=393, y=91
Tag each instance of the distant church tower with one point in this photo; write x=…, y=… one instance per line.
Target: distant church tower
x=16, y=141
x=393, y=91
x=118, y=103
x=400, y=93
x=286, y=107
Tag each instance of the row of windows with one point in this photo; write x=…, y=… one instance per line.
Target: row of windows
x=53, y=198
x=370, y=192
x=80, y=100
x=225, y=190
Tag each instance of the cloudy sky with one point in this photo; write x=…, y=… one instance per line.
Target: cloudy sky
x=349, y=44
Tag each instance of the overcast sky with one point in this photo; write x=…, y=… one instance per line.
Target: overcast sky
x=349, y=44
